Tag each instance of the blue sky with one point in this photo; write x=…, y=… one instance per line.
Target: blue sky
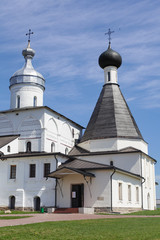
x=68, y=39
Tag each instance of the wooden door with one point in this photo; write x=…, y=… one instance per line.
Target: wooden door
x=77, y=195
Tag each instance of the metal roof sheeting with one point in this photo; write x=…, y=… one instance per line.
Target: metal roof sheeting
x=111, y=117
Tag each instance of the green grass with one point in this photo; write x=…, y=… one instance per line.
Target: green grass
x=13, y=217
x=108, y=229
x=146, y=212
x=18, y=212
x=142, y=213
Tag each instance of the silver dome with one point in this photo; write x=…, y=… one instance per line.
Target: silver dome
x=27, y=74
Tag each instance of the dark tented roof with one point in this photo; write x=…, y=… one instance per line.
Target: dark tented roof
x=83, y=164
x=76, y=150
x=111, y=117
x=7, y=139
x=60, y=173
x=77, y=166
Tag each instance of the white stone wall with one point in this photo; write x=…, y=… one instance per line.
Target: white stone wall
x=113, y=75
x=26, y=93
x=59, y=131
x=41, y=127
x=13, y=147
x=25, y=188
x=136, y=163
x=125, y=202
x=149, y=194
x=96, y=192
x=126, y=161
x=114, y=144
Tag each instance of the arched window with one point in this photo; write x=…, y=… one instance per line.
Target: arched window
x=52, y=147
x=8, y=149
x=109, y=76
x=34, y=101
x=111, y=163
x=66, y=151
x=72, y=132
x=28, y=147
x=18, y=101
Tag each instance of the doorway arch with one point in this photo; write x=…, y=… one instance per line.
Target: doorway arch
x=37, y=203
x=12, y=201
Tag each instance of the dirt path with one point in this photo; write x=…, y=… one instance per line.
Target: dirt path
x=37, y=218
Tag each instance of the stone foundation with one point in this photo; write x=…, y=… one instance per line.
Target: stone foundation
x=116, y=210
x=102, y=209
x=27, y=209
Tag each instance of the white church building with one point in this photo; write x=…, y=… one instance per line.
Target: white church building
x=45, y=161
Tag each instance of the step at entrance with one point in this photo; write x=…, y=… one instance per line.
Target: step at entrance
x=66, y=210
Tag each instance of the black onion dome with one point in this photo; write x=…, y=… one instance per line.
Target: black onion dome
x=110, y=58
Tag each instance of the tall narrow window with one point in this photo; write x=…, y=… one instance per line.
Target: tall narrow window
x=35, y=101
x=111, y=163
x=52, y=147
x=28, y=147
x=72, y=132
x=32, y=171
x=8, y=149
x=120, y=191
x=46, y=169
x=13, y=172
x=109, y=76
x=18, y=101
x=129, y=193
x=66, y=151
x=137, y=194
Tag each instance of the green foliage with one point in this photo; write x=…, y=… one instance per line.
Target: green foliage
x=110, y=229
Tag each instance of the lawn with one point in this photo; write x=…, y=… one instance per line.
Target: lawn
x=12, y=217
x=146, y=212
x=108, y=229
x=18, y=212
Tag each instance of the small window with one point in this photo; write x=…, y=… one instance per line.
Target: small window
x=35, y=101
x=109, y=76
x=46, y=169
x=129, y=193
x=111, y=163
x=66, y=151
x=13, y=172
x=52, y=147
x=137, y=194
x=32, y=171
x=18, y=101
x=8, y=149
x=120, y=191
x=28, y=147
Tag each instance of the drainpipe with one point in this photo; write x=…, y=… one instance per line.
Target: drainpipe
x=56, y=183
x=111, y=187
x=142, y=190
